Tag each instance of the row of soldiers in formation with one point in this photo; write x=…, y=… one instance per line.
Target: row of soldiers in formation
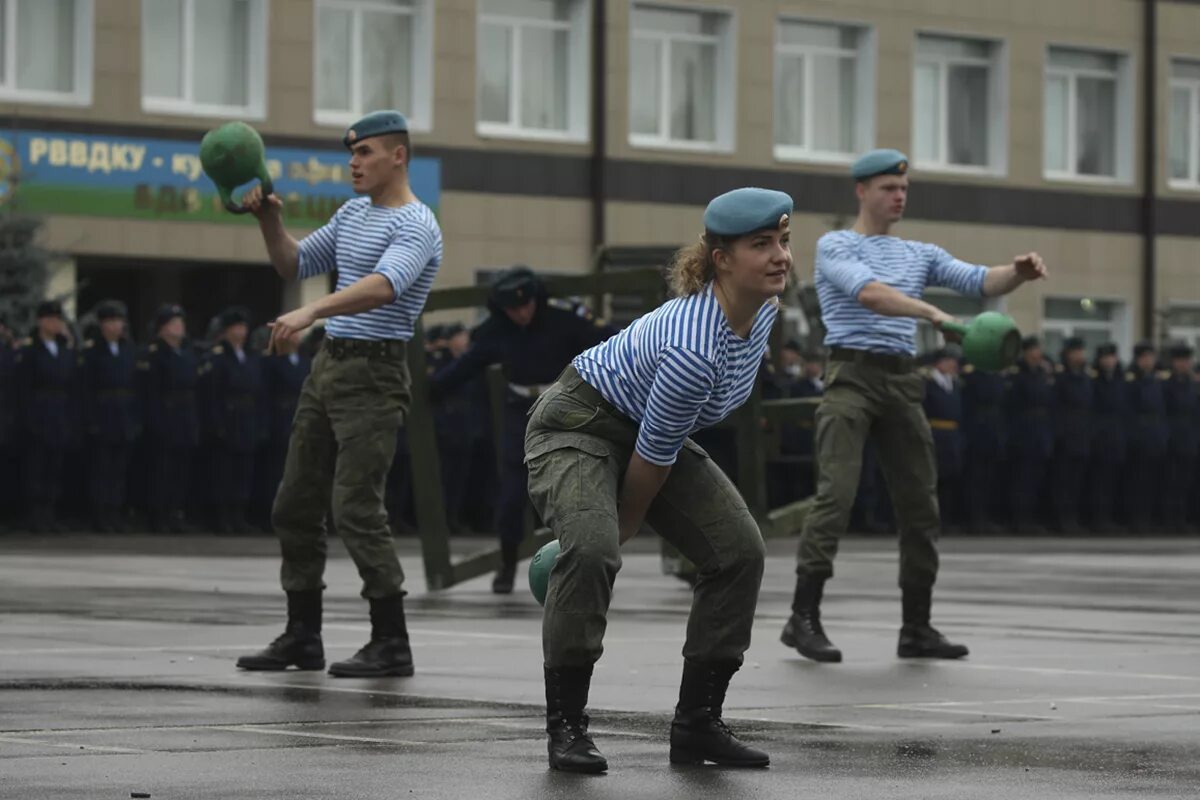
x=1067, y=445
x=170, y=405
x=1061, y=444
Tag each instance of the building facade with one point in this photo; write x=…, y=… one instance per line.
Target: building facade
x=543, y=128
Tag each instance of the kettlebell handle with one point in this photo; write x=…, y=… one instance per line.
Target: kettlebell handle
x=955, y=327
x=241, y=208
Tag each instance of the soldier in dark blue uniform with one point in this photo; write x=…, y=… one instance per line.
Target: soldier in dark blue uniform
x=283, y=374
x=1183, y=424
x=461, y=420
x=9, y=474
x=944, y=410
x=985, y=443
x=1029, y=402
x=534, y=337
x=111, y=414
x=1072, y=434
x=169, y=369
x=1109, y=431
x=46, y=383
x=1147, y=438
x=234, y=413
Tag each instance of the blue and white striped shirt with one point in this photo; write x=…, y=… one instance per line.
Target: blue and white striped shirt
x=676, y=370
x=847, y=261
x=403, y=244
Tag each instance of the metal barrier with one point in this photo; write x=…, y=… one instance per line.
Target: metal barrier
x=615, y=274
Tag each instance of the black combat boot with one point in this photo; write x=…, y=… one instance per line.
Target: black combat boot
x=300, y=645
x=804, y=630
x=388, y=652
x=698, y=733
x=919, y=639
x=507, y=574
x=570, y=746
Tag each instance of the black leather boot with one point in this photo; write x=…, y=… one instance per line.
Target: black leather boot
x=388, y=653
x=507, y=574
x=804, y=630
x=300, y=645
x=698, y=733
x=570, y=747
x=919, y=639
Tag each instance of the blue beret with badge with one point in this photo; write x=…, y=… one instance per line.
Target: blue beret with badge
x=747, y=210
x=879, y=162
x=377, y=123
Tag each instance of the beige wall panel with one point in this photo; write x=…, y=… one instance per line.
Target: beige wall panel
x=1178, y=271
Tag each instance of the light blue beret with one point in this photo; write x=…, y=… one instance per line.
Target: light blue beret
x=377, y=123
x=747, y=210
x=879, y=162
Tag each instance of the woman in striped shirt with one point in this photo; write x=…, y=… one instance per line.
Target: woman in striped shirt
x=607, y=449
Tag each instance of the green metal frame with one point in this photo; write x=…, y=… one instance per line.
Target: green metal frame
x=615, y=271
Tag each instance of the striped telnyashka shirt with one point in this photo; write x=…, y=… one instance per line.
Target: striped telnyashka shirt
x=676, y=370
x=403, y=244
x=848, y=261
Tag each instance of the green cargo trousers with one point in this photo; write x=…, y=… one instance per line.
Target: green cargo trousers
x=341, y=448
x=861, y=400
x=577, y=447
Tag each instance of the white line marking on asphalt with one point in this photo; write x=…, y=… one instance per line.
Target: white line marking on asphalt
x=331, y=736
x=72, y=745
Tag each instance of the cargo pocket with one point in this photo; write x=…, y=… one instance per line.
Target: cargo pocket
x=569, y=473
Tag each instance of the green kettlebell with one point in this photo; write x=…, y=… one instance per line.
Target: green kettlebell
x=991, y=342
x=539, y=569
x=233, y=155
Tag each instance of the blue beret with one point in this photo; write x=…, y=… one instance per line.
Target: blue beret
x=377, y=123
x=747, y=210
x=879, y=162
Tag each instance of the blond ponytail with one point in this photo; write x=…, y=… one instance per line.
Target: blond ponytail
x=693, y=266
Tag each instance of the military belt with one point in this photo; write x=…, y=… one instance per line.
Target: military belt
x=943, y=424
x=531, y=392
x=888, y=362
x=364, y=348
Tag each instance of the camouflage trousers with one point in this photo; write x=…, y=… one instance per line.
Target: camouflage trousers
x=864, y=400
x=577, y=447
x=341, y=448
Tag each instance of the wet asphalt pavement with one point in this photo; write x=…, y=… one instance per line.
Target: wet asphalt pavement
x=116, y=678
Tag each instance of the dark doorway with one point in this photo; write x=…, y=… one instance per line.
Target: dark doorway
x=202, y=288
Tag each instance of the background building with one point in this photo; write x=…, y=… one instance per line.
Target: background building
x=545, y=127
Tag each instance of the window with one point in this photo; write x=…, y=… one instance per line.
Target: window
x=1088, y=115
x=962, y=307
x=205, y=57
x=46, y=51
x=681, y=79
x=1094, y=321
x=824, y=92
x=371, y=55
x=1183, y=325
x=534, y=68
x=1183, y=162
x=959, y=104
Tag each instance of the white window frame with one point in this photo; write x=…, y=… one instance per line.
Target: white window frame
x=725, y=84
x=864, y=79
x=1185, y=333
x=579, y=77
x=420, y=116
x=1192, y=86
x=997, y=66
x=1120, y=326
x=81, y=95
x=256, y=78
x=1124, y=102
